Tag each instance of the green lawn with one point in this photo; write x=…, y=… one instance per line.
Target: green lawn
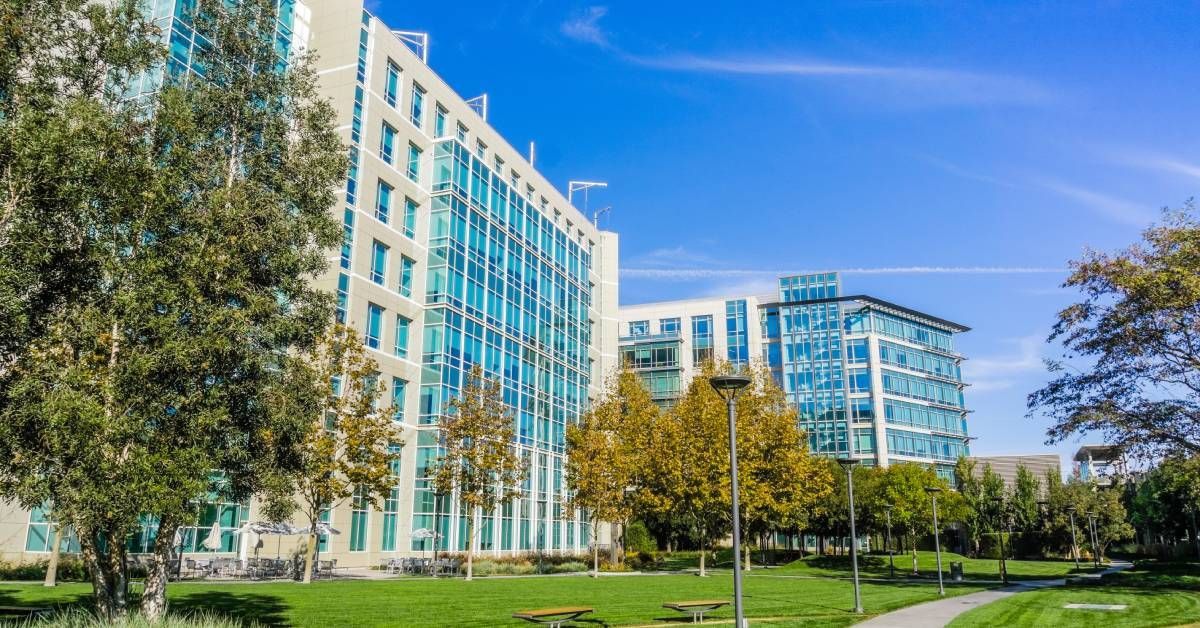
x=876, y=566
x=618, y=600
x=1156, y=595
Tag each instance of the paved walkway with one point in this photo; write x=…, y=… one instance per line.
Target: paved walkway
x=941, y=612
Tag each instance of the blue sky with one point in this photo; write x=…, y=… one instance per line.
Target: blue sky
x=953, y=156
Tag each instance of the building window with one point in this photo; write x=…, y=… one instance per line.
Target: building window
x=406, y=276
x=702, y=339
x=383, y=206
x=343, y=296
x=416, y=111
x=461, y=133
x=414, y=162
x=387, y=144
x=439, y=121
x=410, y=217
x=399, y=388
x=358, y=521
x=861, y=408
x=347, y=238
x=379, y=253
x=860, y=380
x=668, y=325
x=480, y=149
x=391, y=515
x=391, y=90
x=639, y=328
x=401, y=347
x=374, y=325
x=857, y=351
x=736, y=333
x=498, y=166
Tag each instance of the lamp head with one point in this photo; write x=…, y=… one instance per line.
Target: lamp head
x=933, y=490
x=729, y=384
x=847, y=462
x=1072, y=509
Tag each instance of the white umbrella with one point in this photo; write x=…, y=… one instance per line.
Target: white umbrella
x=213, y=540
x=322, y=529
x=423, y=533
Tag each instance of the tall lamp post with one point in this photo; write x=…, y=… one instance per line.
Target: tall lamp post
x=1074, y=543
x=999, y=503
x=1095, y=545
x=849, y=463
x=728, y=386
x=937, y=542
x=887, y=511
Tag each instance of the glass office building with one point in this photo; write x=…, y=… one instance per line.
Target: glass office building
x=869, y=379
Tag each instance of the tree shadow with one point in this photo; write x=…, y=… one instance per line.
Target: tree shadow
x=11, y=599
x=842, y=563
x=249, y=606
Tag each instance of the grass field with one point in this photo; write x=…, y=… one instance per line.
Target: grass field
x=876, y=566
x=618, y=600
x=1156, y=595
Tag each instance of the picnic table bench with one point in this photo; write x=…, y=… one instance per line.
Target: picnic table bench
x=553, y=617
x=696, y=608
x=27, y=612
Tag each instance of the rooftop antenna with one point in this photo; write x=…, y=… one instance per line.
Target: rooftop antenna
x=598, y=213
x=531, y=153
x=480, y=105
x=576, y=186
x=417, y=41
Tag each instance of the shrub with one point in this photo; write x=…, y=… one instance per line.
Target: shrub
x=571, y=566
x=70, y=569
x=77, y=618
x=638, y=539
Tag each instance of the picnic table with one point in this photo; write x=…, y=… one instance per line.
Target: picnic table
x=696, y=608
x=553, y=617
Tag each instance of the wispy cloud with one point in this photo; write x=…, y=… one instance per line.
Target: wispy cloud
x=916, y=84
x=1001, y=372
x=697, y=274
x=1117, y=209
x=585, y=27
x=675, y=257
x=964, y=173
x=1157, y=161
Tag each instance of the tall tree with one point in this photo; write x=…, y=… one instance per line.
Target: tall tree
x=970, y=487
x=1026, y=493
x=479, y=461
x=352, y=441
x=1138, y=328
x=903, y=486
x=605, y=453
x=192, y=251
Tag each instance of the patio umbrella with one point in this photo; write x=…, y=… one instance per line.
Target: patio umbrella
x=423, y=533
x=262, y=528
x=213, y=540
x=322, y=529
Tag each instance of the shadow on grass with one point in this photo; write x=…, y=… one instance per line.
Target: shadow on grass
x=842, y=563
x=248, y=606
x=11, y=598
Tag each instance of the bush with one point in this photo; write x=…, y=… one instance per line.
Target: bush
x=76, y=618
x=638, y=539
x=571, y=566
x=70, y=569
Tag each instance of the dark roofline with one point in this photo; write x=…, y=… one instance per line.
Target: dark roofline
x=951, y=325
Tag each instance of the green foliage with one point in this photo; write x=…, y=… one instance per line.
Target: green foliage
x=903, y=487
x=1023, y=501
x=79, y=619
x=69, y=570
x=638, y=539
x=1137, y=329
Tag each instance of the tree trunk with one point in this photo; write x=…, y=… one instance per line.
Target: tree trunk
x=309, y=552
x=703, y=552
x=109, y=584
x=612, y=542
x=746, y=553
x=595, y=551
x=52, y=568
x=154, y=597
x=914, y=557
x=470, y=543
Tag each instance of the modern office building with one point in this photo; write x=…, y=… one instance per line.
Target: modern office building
x=457, y=251
x=1102, y=464
x=1006, y=466
x=870, y=379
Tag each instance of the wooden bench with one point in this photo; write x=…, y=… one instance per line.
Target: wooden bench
x=25, y=612
x=553, y=617
x=696, y=608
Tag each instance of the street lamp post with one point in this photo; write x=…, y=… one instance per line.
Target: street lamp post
x=937, y=543
x=849, y=463
x=999, y=503
x=728, y=386
x=891, y=554
x=1074, y=543
x=1095, y=544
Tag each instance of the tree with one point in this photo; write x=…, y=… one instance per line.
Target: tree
x=479, y=460
x=903, y=486
x=970, y=487
x=687, y=470
x=352, y=443
x=603, y=457
x=1026, y=493
x=139, y=390
x=1138, y=326
x=779, y=481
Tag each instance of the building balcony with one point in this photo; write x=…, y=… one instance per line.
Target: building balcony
x=662, y=337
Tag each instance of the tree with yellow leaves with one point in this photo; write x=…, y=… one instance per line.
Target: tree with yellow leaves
x=479, y=460
x=605, y=451
x=353, y=442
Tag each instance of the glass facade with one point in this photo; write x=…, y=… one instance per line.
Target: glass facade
x=507, y=288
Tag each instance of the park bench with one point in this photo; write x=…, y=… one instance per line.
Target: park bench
x=24, y=612
x=696, y=608
x=553, y=617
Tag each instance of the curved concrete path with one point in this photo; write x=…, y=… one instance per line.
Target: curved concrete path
x=941, y=612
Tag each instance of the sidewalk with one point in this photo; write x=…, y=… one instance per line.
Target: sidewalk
x=941, y=612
